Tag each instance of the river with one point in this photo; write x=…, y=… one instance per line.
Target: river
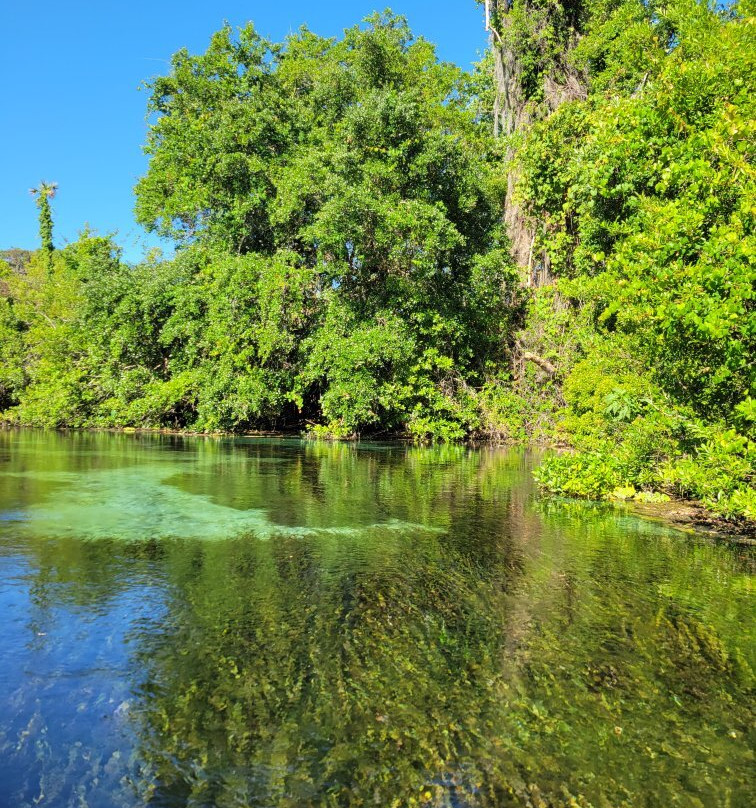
x=223, y=622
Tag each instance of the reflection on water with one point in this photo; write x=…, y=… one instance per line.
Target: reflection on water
x=205, y=622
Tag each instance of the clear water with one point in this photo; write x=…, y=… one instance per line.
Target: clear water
x=217, y=622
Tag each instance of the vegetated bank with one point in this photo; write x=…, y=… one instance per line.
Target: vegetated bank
x=557, y=247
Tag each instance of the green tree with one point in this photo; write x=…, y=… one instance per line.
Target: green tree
x=641, y=197
x=353, y=175
x=44, y=193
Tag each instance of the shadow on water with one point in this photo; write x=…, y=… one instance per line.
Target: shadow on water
x=216, y=622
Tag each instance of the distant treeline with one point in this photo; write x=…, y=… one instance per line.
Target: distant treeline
x=556, y=247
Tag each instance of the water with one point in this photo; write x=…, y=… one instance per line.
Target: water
x=217, y=622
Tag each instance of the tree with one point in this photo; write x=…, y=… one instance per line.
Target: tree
x=642, y=198
x=44, y=193
x=546, y=54
x=351, y=181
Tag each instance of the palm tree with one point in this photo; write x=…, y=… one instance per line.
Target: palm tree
x=44, y=193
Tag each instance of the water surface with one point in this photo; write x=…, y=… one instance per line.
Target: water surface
x=254, y=622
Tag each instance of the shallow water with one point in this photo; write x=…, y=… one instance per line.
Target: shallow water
x=253, y=622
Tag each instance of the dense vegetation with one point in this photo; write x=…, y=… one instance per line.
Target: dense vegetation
x=558, y=247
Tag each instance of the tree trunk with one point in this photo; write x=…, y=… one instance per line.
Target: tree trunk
x=513, y=113
x=510, y=116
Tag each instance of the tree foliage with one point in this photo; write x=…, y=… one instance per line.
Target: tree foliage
x=44, y=193
x=343, y=189
x=644, y=205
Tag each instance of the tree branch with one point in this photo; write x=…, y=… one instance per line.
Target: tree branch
x=542, y=363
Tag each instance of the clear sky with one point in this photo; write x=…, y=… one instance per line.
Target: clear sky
x=72, y=111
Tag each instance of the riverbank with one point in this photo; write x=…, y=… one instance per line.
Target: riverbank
x=690, y=515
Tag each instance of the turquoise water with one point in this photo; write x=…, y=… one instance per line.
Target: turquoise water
x=259, y=622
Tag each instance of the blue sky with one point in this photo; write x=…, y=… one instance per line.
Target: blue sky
x=72, y=111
